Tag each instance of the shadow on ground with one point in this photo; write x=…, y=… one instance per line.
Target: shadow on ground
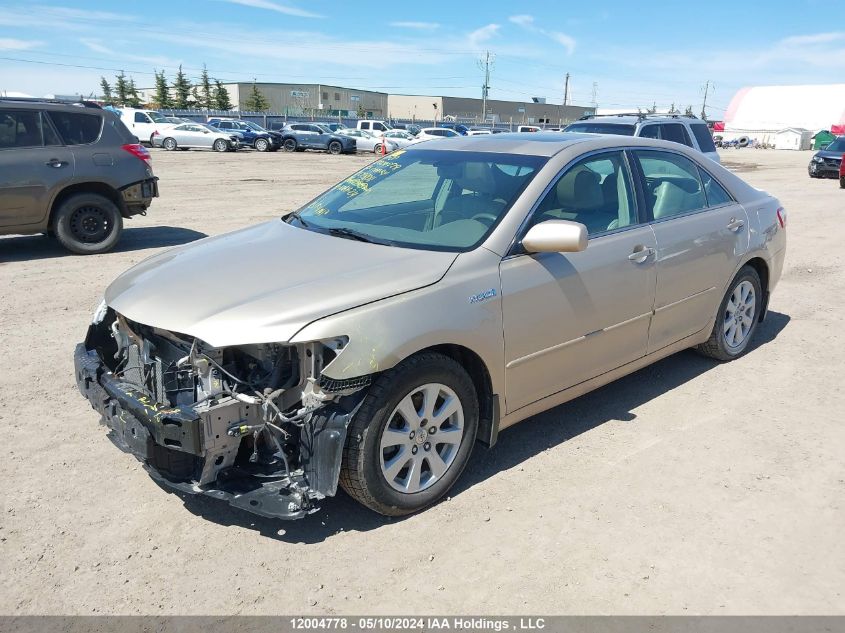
x=615, y=401
x=31, y=247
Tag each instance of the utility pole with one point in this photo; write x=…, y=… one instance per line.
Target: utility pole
x=566, y=91
x=594, y=101
x=485, y=64
x=704, y=103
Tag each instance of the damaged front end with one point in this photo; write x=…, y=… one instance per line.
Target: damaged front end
x=255, y=425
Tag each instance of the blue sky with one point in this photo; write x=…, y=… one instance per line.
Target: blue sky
x=635, y=53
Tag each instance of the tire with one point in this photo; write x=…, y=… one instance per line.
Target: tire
x=335, y=148
x=372, y=471
x=377, y=149
x=262, y=144
x=290, y=145
x=169, y=144
x=88, y=223
x=151, y=140
x=220, y=145
x=733, y=322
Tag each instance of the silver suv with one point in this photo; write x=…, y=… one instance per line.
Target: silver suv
x=686, y=130
x=73, y=171
x=438, y=295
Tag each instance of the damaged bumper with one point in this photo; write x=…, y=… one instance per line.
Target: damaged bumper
x=200, y=449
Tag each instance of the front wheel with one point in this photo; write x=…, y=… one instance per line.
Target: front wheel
x=412, y=436
x=262, y=145
x=335, y=148
x=290, y=145
x=739, y=314
x=88, y=223
x=220, y=145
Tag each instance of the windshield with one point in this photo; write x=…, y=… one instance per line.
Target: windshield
x=253, y=126
x=428, y=199
x=157, y=117
x=596, y=127
x=837, y=146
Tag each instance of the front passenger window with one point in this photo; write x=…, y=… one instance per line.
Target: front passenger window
x=596, y=192
x=672, y=185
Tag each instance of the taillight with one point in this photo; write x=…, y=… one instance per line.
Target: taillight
x=156, y=133
x=138, y=151
x=782, y=217
x=842, y=167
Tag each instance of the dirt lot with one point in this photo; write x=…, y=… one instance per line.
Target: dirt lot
x=688, y=487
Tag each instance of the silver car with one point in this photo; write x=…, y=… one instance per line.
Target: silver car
x=366, y=142
x=422, y=305
x=195, y=136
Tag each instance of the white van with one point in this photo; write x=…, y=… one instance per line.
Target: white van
x=144, y=123
x=376, y=128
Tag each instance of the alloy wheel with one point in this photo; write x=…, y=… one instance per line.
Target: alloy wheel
x=739, y=314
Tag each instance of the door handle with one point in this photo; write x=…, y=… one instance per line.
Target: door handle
x=735, y=225
x=641, y=253
x=55, y=162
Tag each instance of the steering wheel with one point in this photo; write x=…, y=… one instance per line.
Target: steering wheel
x=487, y=216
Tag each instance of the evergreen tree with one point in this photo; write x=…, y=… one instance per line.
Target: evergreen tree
x=360, y=113
x=197, y=100
x=120, y=88
x=256, y=102
x=689, y=111
x=162, y=98
x=205, y=89
x=221, y=96
x=181, y=90
x=132, y=98
x=653, y=108
x=106, y=88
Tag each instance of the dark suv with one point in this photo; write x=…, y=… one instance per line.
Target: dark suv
x=297, y=137
x=826, y=162
x=251, y=134
x=72, y=171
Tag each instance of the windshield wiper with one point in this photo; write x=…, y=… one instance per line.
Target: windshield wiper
x=351, y=234
x=296, y=215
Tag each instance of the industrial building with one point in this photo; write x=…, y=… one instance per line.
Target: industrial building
x=312, y=99
x=785, y=116
x=465, y=109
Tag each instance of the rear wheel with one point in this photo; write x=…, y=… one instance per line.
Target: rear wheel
x=88, y=223
x=262, y=145
x=290, y=145
x=335, y=148
x=412, y=436
x=738, y=316
x=377, y=149
x=169, y=144
x=220, y=145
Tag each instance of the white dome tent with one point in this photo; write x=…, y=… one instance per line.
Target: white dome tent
x=761, y=112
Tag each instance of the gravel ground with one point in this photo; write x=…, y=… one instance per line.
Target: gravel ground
x=688, y=487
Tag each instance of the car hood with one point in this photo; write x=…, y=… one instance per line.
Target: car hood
x=264, y=283
x=824, y=153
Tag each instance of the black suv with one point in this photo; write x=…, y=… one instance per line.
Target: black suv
x=72, y=171
x=825, y=162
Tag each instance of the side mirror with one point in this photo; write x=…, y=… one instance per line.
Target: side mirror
x=556, y=236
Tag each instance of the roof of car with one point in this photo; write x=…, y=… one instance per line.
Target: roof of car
x=633, y=118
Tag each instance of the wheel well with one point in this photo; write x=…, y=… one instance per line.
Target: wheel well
x=488, y=402
x=87, y=187
x=762, y=268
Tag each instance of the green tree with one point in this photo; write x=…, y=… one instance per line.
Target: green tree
x=120, y=88
x=221, y=96
x=162, y=98
x=132, y=98
x=181, y=90
x=361, y=113
x=106, y=89
x=196, y=99
x=205, y=89
x=256, y=102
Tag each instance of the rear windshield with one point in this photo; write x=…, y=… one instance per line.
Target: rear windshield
x=596, y=127
x=703, y=136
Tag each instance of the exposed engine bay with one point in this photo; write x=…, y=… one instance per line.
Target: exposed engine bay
x=257, y=425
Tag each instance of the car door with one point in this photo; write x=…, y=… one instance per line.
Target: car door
x=203, y=137
x=701, y=233
x=569, y=317
x=320, y=138
x=34, y=165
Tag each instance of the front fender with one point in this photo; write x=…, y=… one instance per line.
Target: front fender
x=463, y=308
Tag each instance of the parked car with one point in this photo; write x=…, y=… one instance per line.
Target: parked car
x=826, y=162
x=250, y=134
x=428, y=133
x=842, y=172
x=374, y=127
x=366, y=142
x=334, y=127
x=457, y=288
x=411, y=128
x=401, y=138
x=460, y=128
x=527, y=128
x=479, y=131
x=196, y=136
x=686, y=130
x=143, y=123
x=74, y=173
x=297, y=137
x=177, y=120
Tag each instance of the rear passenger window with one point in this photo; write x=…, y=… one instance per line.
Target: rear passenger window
x=650, y=131
x=21, y=129
x=716, y=194
x=77, y=128
x=675, y=132
x=672, y=184
x=703, y=136
x=595, y=191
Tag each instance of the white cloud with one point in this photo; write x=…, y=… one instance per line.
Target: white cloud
x=11, y=44
x=156, y=61
x=527, y=22
x=485, y=33
x=418, y=26
x=275, y=6
x=818, y=38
